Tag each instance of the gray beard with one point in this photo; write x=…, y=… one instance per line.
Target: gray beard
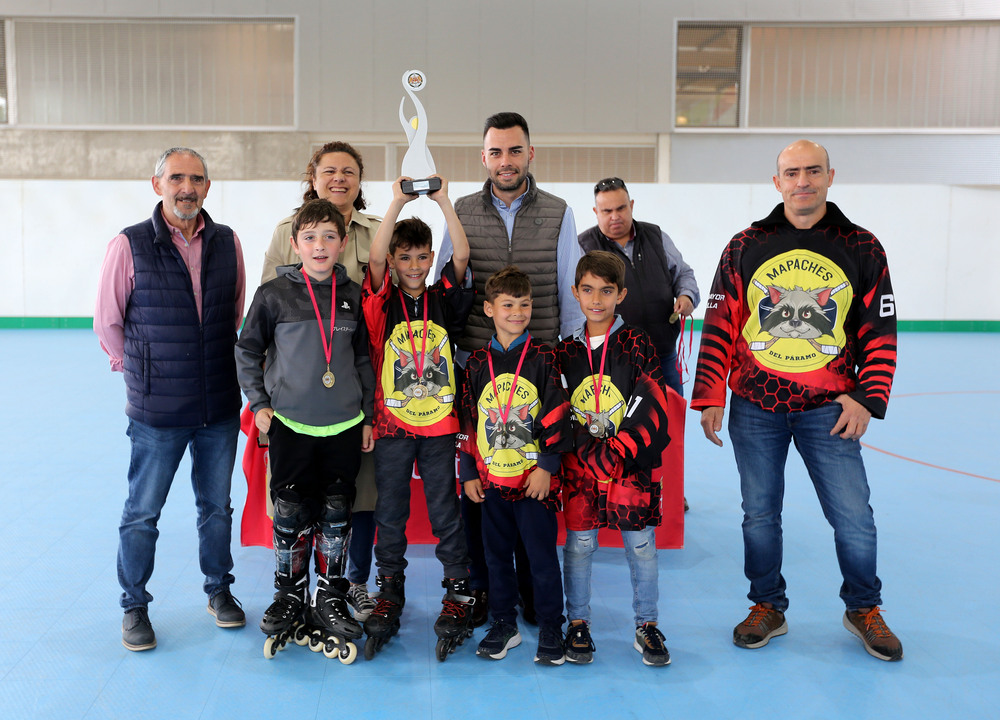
x=184, y=216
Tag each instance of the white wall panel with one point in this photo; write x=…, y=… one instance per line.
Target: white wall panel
x=941, y=240
x=11, y=249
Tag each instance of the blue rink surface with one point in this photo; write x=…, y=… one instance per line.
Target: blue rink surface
x=63, y=486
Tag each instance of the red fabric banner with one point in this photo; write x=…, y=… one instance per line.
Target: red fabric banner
x=256, y=524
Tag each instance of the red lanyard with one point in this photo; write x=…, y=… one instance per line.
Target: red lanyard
x=599, y=381
x=504, y=410
x=682, y=357
x=327, y=349
x=418, y=362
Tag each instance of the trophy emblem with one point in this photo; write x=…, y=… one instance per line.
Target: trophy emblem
x=417, y=162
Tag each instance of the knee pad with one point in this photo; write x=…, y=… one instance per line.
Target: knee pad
x=336, y=514
x=291, y=515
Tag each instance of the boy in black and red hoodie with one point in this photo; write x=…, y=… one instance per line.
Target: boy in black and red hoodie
x=619, y=407
x=516, y=425
x=410, y=327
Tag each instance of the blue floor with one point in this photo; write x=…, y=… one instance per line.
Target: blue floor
x=60, y=645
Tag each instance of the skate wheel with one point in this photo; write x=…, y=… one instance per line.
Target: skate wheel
x=442, y=649
x=271, y=647
x=371, y=647
x=347, y=653
x=315, y=643
x=300, y=636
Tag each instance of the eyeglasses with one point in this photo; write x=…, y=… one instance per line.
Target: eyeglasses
x=613, y=183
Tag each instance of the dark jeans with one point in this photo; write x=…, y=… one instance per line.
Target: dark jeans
x=503, y=521
x=671, y=377
x=359, y=552
x=435, y=458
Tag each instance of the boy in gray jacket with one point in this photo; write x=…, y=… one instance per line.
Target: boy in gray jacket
x=302, y=361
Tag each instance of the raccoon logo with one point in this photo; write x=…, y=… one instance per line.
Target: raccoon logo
x=427, y=383
x=515, y=432
x=797, y=313
x=598, y=424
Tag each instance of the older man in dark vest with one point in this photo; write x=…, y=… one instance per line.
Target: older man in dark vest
x=169, y=303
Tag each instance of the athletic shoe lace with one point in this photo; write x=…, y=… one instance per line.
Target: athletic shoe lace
x=874, y=624
x=453, y=608
x=580, y=638
x=758, y=615
x=653, y=637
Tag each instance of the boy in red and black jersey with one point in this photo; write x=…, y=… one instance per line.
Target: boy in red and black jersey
x=516, y=425
x=619, y=406
x=410, y=327
x=802, y=322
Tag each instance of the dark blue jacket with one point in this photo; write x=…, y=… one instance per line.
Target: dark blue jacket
x=180, y=370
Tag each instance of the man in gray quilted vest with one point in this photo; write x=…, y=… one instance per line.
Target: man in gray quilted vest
x=513, y=222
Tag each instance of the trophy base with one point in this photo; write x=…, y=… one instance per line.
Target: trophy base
x=420, y=187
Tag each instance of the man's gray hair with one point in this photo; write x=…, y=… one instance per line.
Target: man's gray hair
x=162, y=162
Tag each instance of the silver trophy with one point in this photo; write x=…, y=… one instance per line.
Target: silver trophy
x=417, y=162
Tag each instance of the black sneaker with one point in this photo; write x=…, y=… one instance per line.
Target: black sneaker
x=137, y=632
x=502, y=637
x=651, y=643
x=579, y=646
x=550, y=647
x=227, y=610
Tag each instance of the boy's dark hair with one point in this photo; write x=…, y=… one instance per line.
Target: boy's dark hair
x=602, y=264
x=505, y=120
x=310, y=173
x=315, y=212
x=410, y=234
x=509, y=281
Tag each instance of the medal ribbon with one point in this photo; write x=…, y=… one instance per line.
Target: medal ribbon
x=419, y=363
x=327, y=349
x=682, y=355
x=599, y=380
x=504, y=410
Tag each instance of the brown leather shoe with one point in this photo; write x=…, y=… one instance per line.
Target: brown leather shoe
x=762, y=624
x=879, y=640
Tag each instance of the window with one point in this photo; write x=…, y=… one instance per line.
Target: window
x=918, y=75
x=3, y=72
x=149, y=73
x=709, y=62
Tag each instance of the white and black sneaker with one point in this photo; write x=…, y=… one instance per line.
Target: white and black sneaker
x=502, y=637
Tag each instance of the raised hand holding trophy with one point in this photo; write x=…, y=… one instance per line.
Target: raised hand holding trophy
x=417, y=162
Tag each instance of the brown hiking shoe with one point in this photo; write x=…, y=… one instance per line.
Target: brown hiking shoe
x=762, y=624
x=879, y=640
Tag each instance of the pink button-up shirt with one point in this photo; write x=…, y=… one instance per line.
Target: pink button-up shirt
x=118, y=280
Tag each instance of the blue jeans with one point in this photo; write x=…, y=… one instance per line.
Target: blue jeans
x=640, y=552
x=760, y=442
x=156, y=454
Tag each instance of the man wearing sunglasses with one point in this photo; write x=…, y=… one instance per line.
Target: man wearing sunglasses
x=661, y=286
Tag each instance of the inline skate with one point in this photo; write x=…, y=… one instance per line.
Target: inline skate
x=454, y=624
x=383, y=622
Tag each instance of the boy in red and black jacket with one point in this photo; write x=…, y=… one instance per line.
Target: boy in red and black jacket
x=619, y=406
x=516, y=425
x=410, y=327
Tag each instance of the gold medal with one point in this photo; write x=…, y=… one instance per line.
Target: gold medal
x=419, y=391
x=596, y=430
x=328, y=379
